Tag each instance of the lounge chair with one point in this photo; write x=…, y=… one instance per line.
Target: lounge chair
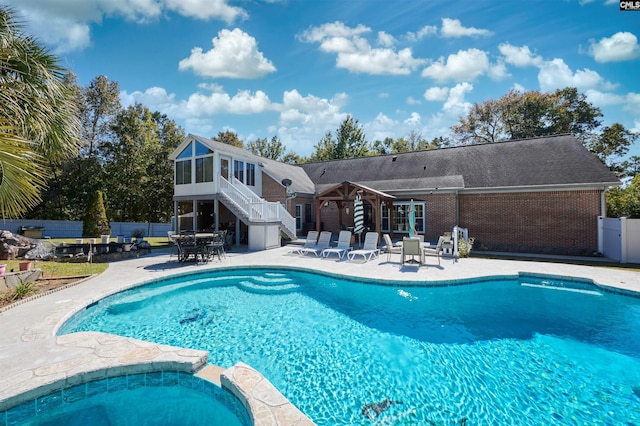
x=311, y=241
x=344, y=245
x=436, y=250
x=412, y=247
x=369, y=250
x=389, y=247
x=324, y=242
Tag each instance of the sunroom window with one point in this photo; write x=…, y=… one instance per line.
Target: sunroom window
x=204, y=163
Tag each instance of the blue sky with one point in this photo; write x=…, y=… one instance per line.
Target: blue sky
x=295, y=69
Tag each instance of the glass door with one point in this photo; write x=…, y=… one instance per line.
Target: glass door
x=224, y=167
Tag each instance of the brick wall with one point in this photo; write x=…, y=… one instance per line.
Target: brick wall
x=561, y=222
x=274, y=191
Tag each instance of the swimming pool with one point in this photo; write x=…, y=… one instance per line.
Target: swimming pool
x=527, y=351
x=159, y=398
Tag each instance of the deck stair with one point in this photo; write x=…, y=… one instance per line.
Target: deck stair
x=252, y=209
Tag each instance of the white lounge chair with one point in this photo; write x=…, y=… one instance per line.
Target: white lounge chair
x=344, y=245
x=324, y=242
x=311, y=241
x=369, y=250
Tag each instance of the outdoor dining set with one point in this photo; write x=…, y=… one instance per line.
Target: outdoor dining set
x=201, y=247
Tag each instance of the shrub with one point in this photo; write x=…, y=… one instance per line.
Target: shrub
x=95, y=219
x=464, y=247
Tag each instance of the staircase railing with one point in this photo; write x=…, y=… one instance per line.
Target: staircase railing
x=255, y=208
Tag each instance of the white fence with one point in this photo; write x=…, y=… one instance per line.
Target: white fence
x=73, y=229
x=619, y=238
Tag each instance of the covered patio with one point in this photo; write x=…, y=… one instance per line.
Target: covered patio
x=344, y=194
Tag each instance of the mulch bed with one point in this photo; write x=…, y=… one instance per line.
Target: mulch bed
x=39, y=289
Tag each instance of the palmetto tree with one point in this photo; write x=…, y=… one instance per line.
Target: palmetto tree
x=38, y=116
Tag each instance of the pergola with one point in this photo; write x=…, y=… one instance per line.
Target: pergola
x=345, y=193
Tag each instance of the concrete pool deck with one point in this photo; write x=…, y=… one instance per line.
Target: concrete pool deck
x=33, y=358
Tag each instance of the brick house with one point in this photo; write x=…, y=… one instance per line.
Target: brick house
x=531, y=195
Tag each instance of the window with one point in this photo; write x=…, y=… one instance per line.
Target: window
x=251, y=174
x=299, y=217
x=186, y=153
x=307, y=213
x=401, y=217
x=202, y=150
x=238, y=170
x=204, y=169
x=183, y=172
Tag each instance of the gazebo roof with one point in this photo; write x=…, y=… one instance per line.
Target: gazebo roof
x=346, y=191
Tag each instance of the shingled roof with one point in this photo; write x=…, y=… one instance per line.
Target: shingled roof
x=549, y=162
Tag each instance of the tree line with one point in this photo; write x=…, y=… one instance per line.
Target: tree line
x=60, y=142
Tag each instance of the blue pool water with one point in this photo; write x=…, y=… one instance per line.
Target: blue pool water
x=160, y=398
x=526, y=351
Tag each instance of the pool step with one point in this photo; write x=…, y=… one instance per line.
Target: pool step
x=271, y=288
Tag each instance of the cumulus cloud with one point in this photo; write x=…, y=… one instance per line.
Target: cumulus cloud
x=452, y=28
x=519, y=56
x=556, y=74
x=234, y=54
x=466, y=65
x=356, y=54
x=456, y=103
x=421, y=33
x=622, y=46
x=436, y=93
x=65, y=25
x=412, y=101
x=207, y=9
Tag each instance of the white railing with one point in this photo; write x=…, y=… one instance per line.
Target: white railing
x=459, y=233
x=256, y=208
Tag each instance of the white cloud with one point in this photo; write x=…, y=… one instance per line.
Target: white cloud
x=466, y=65
x=412, y=101
x=235, y=54
x=452, y=28
x=421, y=33
x=414, y=120
x=456, y=103
x=355, y=53
x=207, y=9
x=65, y=24
x=622, y=46
x=436, y=93
x=519, y=56
x=385, y=39
x=555, y=74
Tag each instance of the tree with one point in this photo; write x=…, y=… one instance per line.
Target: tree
x=519, y=115
x=612, y=144
x=38, y=118
x=95, y=220
x=230, y=138
x=625, y=201
x=350, y=142
x=101, y=102
x=273, y=149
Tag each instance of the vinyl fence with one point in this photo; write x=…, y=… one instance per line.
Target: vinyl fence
x=73, y=229
x=619, y=238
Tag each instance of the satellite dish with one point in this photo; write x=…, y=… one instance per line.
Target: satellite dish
x=286, y=182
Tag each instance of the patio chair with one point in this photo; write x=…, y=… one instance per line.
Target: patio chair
x=324, y=242
x=436, y=250
x=412, y=247
x=389, y=248
x=311, y=241
x=369, y=250
x=343, y=247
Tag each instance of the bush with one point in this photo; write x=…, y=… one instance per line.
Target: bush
x=464, y=247
x=137, y=233
x=95, y=219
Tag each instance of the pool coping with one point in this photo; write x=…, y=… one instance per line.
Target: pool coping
x=27, y=335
